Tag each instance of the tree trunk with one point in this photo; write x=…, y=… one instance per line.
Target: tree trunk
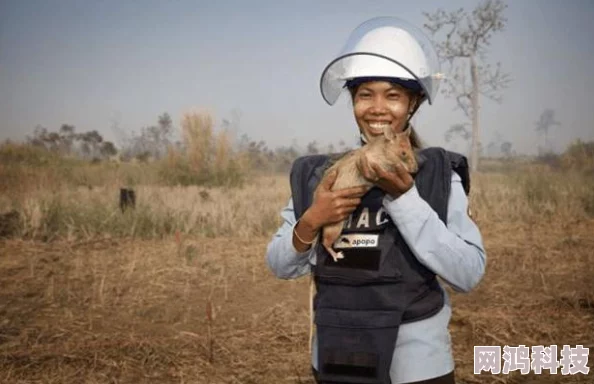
x=474, y=156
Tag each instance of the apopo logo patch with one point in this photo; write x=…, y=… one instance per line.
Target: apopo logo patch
x=356, y=240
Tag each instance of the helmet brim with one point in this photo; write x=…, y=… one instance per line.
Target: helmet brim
x=383, y=47
x=332, y=85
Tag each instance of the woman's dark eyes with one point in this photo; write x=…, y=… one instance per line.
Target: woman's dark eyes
x=393, y=95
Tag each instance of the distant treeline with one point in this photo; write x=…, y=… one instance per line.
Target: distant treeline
x=202, y=154
x=156, y=142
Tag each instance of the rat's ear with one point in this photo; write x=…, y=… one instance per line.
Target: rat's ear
x=407, y=131
x=389, y=133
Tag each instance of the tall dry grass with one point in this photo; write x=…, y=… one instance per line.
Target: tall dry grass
x=160, y=211
x=208, y=157
x=532, y=195
x=87, y=205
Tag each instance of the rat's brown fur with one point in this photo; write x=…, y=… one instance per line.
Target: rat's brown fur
x=387, y=151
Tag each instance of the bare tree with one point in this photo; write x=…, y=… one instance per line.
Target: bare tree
x=457, y=131
x=152, y=141
x=461, y=40
x=544, y=124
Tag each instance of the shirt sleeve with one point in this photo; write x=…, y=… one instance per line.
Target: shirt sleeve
x=281, y=256
x=455, y=251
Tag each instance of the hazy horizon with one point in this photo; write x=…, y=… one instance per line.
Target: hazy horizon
x=96, y=63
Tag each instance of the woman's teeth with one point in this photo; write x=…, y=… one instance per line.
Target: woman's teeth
x=379, y=126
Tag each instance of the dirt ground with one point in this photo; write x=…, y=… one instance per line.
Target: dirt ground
x=209, y=311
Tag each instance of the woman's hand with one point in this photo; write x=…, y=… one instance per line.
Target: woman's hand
x=395, y=183
x=332, y=206
x=327, y=207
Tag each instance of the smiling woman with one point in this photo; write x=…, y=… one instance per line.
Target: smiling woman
x=378, y=103
x=381, y=315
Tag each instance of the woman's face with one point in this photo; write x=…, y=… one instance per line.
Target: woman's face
x=379, y=104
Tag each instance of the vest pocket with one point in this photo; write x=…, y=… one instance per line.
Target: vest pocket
x=356, y=346
x=361, y=265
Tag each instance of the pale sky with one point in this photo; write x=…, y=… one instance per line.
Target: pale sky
x=88, y=63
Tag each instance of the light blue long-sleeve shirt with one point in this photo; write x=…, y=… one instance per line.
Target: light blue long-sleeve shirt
x=454, y=252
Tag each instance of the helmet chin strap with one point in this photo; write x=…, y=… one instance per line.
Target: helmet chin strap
x=362, y=139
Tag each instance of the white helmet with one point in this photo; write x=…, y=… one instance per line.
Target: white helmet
x=384, y=47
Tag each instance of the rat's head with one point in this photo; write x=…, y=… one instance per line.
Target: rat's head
x=398, y=149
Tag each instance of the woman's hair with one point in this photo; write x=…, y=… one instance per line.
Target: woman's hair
x=415, y=140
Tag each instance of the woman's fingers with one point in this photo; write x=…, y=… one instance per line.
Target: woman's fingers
x=354, y=201
x=351, y=192
x=381, y=172
x=329, y=180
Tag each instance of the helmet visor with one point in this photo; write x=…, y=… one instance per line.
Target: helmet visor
x=384, y=47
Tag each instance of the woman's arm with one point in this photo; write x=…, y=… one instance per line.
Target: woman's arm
x=281, y=256
x=454, y=252
x=290, y=250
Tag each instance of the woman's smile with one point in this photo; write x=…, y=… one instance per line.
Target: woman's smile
x=381, y=105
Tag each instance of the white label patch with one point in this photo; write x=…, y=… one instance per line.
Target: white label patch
x=356, y=240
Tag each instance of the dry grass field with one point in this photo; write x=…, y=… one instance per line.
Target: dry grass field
x=177, y=290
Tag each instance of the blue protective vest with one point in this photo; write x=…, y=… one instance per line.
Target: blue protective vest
x=361, y=300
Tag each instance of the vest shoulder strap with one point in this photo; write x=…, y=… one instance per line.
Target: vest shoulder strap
x=459, y=165
x=457, y=162
x=305, y=171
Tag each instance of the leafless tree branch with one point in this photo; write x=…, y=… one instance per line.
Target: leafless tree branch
x=493, y=81
x=462, y=40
